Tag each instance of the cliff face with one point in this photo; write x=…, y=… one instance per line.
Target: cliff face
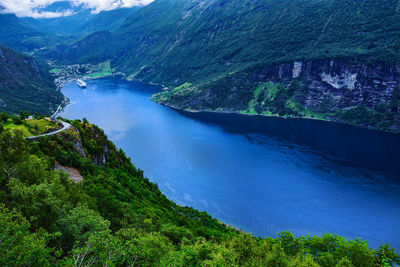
x=347, y=91
x=329, y=86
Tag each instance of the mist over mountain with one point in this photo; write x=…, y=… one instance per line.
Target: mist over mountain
x=82, y=21
x=57, y=8
x=22, y=36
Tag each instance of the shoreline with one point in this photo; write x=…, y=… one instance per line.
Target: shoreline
x=61, y=107
x=125, y=78
x=272, y=116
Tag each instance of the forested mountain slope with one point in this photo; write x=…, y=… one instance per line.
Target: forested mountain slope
x=31, y=34
x=225, y=36
x=25, y=84
x=117, y=217
x=22, y=37
x=220, y=51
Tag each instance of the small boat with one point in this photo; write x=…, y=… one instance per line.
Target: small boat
x=81, y=83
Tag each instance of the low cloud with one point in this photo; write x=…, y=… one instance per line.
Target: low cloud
x=33, y=8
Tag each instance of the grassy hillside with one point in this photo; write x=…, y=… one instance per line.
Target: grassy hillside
x=25, y=84
x=28, y=126
x=117, y=217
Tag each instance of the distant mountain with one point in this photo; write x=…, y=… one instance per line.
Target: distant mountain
x=20, y=36
x=25, y=84
x=29, y=34
x=220, y=51
x=63, y=6
x=82, y=22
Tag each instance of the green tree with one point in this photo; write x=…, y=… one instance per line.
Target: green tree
x=16, y=119
x=12, y=152
x=24, y=114
x=4, y=116
x=175, y=233
x=387, y=255
x=18, y=246
x=244, y=247
x=79, y=224
x=42, y=203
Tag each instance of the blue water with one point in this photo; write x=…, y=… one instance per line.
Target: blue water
x=261, y=175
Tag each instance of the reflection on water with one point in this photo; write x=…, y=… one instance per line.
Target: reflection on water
x=261, y=175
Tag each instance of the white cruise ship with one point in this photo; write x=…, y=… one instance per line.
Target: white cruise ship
x=81, y=83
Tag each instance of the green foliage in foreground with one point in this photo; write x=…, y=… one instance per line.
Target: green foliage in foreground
x=117, y=217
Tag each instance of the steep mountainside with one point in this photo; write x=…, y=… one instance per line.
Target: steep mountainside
x=22, y=37
x=201, y=44
x=201, y=38
x=342, y=91
x=33, y=34
x=116, y=217
x=24, y=85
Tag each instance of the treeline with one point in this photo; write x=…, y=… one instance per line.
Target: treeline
x=117, y=217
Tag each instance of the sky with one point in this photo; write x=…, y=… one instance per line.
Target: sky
x=32, y=8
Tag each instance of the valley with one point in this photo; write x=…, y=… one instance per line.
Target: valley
x=200, y=133
x=208, y=64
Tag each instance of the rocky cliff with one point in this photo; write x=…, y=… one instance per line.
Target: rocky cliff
x=345, y=91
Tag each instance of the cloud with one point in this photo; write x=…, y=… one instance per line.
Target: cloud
x=33, y=8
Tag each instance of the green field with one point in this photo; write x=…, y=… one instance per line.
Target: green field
x=103, y=69
x=55, y=70
x=30, y=127
x=25, y=129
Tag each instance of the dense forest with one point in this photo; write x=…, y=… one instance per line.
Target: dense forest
x=117, y=217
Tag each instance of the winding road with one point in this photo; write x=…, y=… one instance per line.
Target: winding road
x=66, y=126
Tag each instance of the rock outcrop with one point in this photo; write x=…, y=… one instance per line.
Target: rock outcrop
x=321, y=88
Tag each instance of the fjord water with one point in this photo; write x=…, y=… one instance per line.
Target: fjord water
x=261, y=175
